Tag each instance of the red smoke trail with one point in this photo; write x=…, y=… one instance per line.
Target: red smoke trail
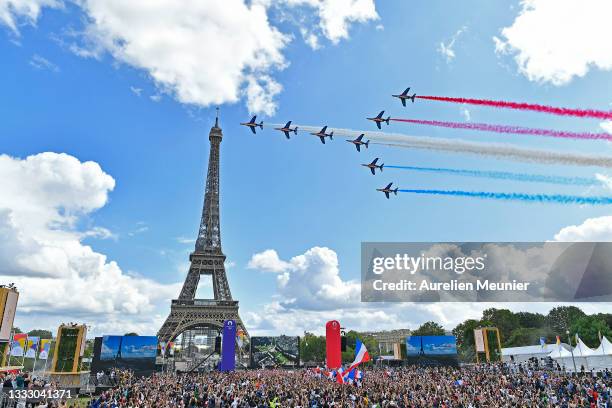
x=581, y=113
x=510, y=129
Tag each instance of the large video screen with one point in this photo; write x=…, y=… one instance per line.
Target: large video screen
x=275, y=351
x=136, y=353
x=110, y=347
x=431, y=346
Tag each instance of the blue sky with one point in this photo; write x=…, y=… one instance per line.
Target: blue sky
x=72, y=84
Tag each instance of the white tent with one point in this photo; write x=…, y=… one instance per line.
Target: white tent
x=601, y=358
x=584, y=356
x=566, y=358
x=524, y=353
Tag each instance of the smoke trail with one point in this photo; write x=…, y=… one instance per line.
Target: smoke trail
x=510, y=129
x=581, y=113
x=502, y=175
x=534, y=198
x=460, y=146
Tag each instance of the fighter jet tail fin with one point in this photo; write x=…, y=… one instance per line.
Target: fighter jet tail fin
x=388, y=119
x=295, y=130
x=412, y=98
x=395, y=191
x=381, y=166
x=367, y=144
x=260, y=125
x=331, y=135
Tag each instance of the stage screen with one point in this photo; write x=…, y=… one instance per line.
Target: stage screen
x=110, y=347
x=136, y=353
x=135, y=347
x=275, y=351
x=431, y=346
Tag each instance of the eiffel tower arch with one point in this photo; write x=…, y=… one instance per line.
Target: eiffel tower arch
x=187, y=312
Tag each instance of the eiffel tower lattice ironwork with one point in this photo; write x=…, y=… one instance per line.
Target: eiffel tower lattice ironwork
x=187, y=312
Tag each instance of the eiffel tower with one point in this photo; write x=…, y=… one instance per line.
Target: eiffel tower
x=187, y=312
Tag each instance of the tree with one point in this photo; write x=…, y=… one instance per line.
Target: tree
x=43, y=334
x=464, y=333
x=429, y=329
x=588, y=329
x=312, y=348
x=131, y=334
x=528, y=336
x=503, y=319
x=530, y=320
x=561, y=318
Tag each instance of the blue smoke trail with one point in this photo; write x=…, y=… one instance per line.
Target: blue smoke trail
x=534, y=198
x=503, y=175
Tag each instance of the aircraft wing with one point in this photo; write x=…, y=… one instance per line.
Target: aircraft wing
x=359, y=138
x=406, y=91
x=403, y=101
x=287, y=125
x=286, y=134
x=253, y=130
x=358, y=147
x=324, y=129
x=378, y=124
x=389, y=186
x=387, y=194
x=322, y=139
x=380, y=114
x=372, y=170
x=374, y=161
x=253, y=119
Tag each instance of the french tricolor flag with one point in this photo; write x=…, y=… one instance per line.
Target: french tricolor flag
x=361, y=355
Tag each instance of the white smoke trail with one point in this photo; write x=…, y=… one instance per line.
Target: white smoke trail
x=462, y=146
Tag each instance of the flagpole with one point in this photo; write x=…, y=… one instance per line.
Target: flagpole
x=11, y=347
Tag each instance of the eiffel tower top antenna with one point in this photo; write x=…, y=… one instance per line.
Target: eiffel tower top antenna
x=217, y=118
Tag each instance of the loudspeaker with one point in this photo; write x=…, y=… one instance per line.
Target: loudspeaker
x=218, y=344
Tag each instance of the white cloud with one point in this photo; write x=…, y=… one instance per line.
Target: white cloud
x=336, y=16
x=42, y=63
x=202, y=52
x=268, y=261
x=554, y=41
x=309, y=281
x=447, y=49
x=136, y=91
x=591, y=230
x=43, y=199
x=155, y=98
x=13, y=11
x=465, y=112
x=607, y=126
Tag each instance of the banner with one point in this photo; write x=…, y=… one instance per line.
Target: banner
x=228, y=346
x=333, y=344
x=32, y=347
x=45, y=346
x=479, y=341
x=10, y=306
x=18, y=344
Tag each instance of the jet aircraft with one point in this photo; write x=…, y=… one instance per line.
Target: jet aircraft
x=373, y=166
x=287, y=129
x=404, y=96
x=322, y=135
x=253, y=125
x=388, y=190
x=378, y=119
x=358, y=142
